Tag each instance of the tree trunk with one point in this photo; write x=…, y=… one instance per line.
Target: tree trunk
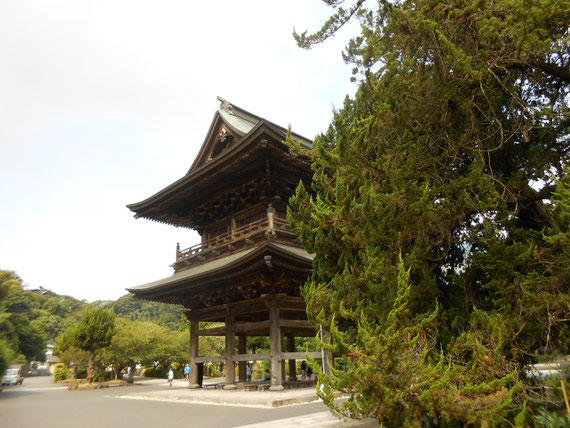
x=131, y=377
x=90, y=368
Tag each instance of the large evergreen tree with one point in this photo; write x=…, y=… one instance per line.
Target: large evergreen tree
x=439, y=213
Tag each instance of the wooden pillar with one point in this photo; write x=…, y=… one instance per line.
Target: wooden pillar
x=275, y=349
x=194, y=343
x=242, y=364
x=270, y=227
x=230, y=349
x=292, y=363
x=283, y=371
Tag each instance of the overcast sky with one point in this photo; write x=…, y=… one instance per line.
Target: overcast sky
x=103, y=103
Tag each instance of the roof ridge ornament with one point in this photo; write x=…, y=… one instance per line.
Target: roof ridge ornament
x=225, y=105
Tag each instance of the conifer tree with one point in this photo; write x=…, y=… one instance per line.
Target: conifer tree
x=438, y=213
x=93, y=332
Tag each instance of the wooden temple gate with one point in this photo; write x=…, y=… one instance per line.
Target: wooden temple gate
x=274, y=315
x=249, y=267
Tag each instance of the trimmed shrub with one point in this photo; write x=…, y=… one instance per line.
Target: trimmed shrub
x=61, y=372
x=159, y=371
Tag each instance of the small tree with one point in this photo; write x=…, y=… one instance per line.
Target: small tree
x=93, y=333
x=134, y=342
x=172, y=348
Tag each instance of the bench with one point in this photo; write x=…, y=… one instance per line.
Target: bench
x=299, y=383
x=263, y=386
x=213, y=385
x=249, y=386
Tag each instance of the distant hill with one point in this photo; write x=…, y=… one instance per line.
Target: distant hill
x=141, y=310
x=30, y=318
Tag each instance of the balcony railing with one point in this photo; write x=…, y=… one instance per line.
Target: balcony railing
x=237, y=239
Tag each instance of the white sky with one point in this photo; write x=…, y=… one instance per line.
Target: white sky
x=103, y=103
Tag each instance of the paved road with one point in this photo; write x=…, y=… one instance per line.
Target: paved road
x=39, y=403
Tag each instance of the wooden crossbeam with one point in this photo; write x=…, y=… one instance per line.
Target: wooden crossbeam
x=296, y=324
x=240, y=327
x=288, y=303
x=300, y=355
x=251, y=357
x=210, y=359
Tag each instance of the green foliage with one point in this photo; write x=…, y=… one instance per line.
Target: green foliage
x=157, y=372
x=61, y=372
x=83, y=339
x=137, y=342
x=453, y=155
x=24, y=335
x=173, y=348
x=102, y=376
x=4, y=356
x=71, y=356
x=133, y=309
x=28, y=319
x=548, y=419
x=94, y=330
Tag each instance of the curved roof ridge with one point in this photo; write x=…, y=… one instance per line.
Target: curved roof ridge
x=233, y=109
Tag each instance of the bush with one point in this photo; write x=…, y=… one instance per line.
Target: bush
x=262, y=366
x=61, y=372
x=213, y=369
x=102, y=376
x=159, y=371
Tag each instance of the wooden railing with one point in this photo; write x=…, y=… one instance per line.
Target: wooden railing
x=241, y=237
x=219, y=242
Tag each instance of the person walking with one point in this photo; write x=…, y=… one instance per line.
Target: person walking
x=170, y=376
x=187, y=372
x=303, y=370
x=248, y=373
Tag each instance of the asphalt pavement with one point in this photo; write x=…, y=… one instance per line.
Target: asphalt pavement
x=152, y=403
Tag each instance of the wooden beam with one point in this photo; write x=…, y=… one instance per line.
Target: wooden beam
x=288, y=303
x=300, y=355
x=220, y=311
x=252, y=326
x=210, y=359
x=251, y=357
x=296, y=324
x=240, y=327
x=214, y=331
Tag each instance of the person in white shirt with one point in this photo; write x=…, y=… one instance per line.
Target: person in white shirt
x=170, y=376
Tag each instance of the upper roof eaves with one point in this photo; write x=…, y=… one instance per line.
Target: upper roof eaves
x=243, y=123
